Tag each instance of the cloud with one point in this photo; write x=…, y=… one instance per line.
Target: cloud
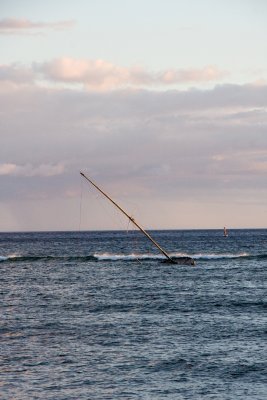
x=7, y=169
x=218, y=157
x=16, y=74
x=260, y=167
x=103, y=75
x=193, y=138
x=100, y=75
x=17, y=26
x=28, y=170
x=150, y=147
x=247, y=161
x=206, y=74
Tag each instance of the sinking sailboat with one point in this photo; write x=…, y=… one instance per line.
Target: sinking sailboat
x=180, y=260
x=225, y=232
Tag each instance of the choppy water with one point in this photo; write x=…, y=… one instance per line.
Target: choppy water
x=98, y=315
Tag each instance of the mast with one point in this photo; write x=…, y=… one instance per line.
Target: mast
x=130, y=218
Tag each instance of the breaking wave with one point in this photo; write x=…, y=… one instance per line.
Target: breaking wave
x=128, y=257
x=199, y=256
x=220, y=256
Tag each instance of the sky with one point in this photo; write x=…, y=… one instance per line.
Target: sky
x=162, y=103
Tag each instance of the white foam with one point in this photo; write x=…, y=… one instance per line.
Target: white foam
x=214, y=256
x=130, y=257
x=198, y=256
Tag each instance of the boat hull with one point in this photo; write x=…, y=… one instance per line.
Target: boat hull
x=181, y=261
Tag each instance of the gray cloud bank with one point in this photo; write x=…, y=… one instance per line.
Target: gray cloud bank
x=185, y=149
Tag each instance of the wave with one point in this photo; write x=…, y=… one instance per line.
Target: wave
x=129, y=257
x=220, y=256
x=198, y=256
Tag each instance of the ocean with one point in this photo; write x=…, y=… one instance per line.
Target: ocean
x=99, y=315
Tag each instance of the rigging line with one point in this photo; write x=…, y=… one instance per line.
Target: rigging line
x=81, y=196
x=128, y=225
x=117, y=223
x=113, y=215
x=131, y=226
x=135, y=241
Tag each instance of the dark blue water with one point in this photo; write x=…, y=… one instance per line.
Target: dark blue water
x=98, y=315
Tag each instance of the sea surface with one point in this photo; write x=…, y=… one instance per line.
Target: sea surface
x=99, y=315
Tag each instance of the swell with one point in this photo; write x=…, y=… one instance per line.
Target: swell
x=15, y=258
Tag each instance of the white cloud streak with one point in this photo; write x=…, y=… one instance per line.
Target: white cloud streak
x=28, y=170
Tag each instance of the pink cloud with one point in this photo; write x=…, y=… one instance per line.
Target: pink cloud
x=206, y=74
x=15, y=25
x=94, y=74
x=259, y=167
x=103, y=75
x=7, y=169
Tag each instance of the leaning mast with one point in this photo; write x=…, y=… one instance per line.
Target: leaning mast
x=130, y=218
